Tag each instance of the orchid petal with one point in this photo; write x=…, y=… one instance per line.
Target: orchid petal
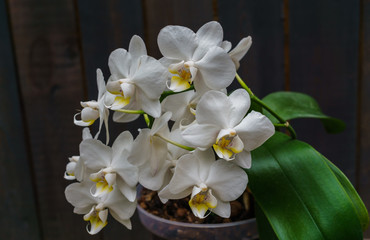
x=150, y=181
x=95, y=154
x=243, y=159
x=217, y=68
x=254, y=130
x=78, y=194
x=177, y=42
x=186, y=174
x=240, y=50
x=136, y=47
x=141, y=148
x=150, y=77
x=222, y=180
x=165, y=194
x=160, y=123
x=119, y=62
x=210, y=34
x=200, y=135
x=214, y=108
x=128, y=191
x=80, y=122
x=178, y=104
x=222, y=209
x=241, y=102
x=226, y=45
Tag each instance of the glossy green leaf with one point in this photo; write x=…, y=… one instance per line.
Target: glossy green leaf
x=360, y=207
x=292, y=105
x=299, y=194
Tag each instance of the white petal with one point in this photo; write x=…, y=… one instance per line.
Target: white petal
x=119, y=63
x=94, y=154
x=165, y=194
x=150, y=106
x=210, y=34
x=78, y=194
x=200, y=135
x=100, y=82
x=140, y=148
x=136, y=47
x=128, y=191
x=122, y=146
x=241, y=49
x=241, y=102
x=158, y=154
x=214, y=108
x=226, y=45
x=217, y=68
x=222, y=209
x=254, y=130
x=177, y=42
x=86, y=134
x=178, y=104
x=127, y=117
x=80, y=122
x=150, y=77
x=243, y=159
x=120, y=207
x=124, y=222
x=150, y=181
x=227, y=180
x=186, y=174
x=160, y=123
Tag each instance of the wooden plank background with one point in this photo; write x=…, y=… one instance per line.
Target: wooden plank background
x=50, y=51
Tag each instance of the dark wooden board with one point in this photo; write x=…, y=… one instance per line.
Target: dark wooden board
x=324, y=64
x=263, y=66
x=363, y=148
x=17, y=200
x=159, y=13
x=50, y=75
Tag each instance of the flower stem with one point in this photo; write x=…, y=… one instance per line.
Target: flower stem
x=168, y=93
x=283, y=123
x=175, y=143
x=130, y=111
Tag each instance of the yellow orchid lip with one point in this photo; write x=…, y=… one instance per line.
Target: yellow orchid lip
x=97, y=219
x=182, y=78
x=201, y=201
x=228, y=145
x=104, y=181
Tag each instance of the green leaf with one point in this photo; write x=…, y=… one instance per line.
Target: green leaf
x=292, y=105
x=360, y=207
x=299, y=194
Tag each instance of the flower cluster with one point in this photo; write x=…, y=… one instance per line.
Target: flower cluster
x=204, y=152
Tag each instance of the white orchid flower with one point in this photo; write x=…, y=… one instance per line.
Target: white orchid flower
x=137, y=80
x=196, y=57
x=212, y=184
x=96, y=209
x=149, y=153
x=221, y=123
x=182, y=106
x=93, y=110
x=110, y=166
x=75, y=169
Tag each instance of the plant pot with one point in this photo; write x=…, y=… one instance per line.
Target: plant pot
x=165, y=229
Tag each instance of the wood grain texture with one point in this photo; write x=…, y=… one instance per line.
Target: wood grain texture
x=263, y=66
x=48, y=60
x=18, y=205
x=363, y=129
x=159, y=13
x=323, y=63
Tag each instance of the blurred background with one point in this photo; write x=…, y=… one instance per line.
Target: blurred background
x=49, y=52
